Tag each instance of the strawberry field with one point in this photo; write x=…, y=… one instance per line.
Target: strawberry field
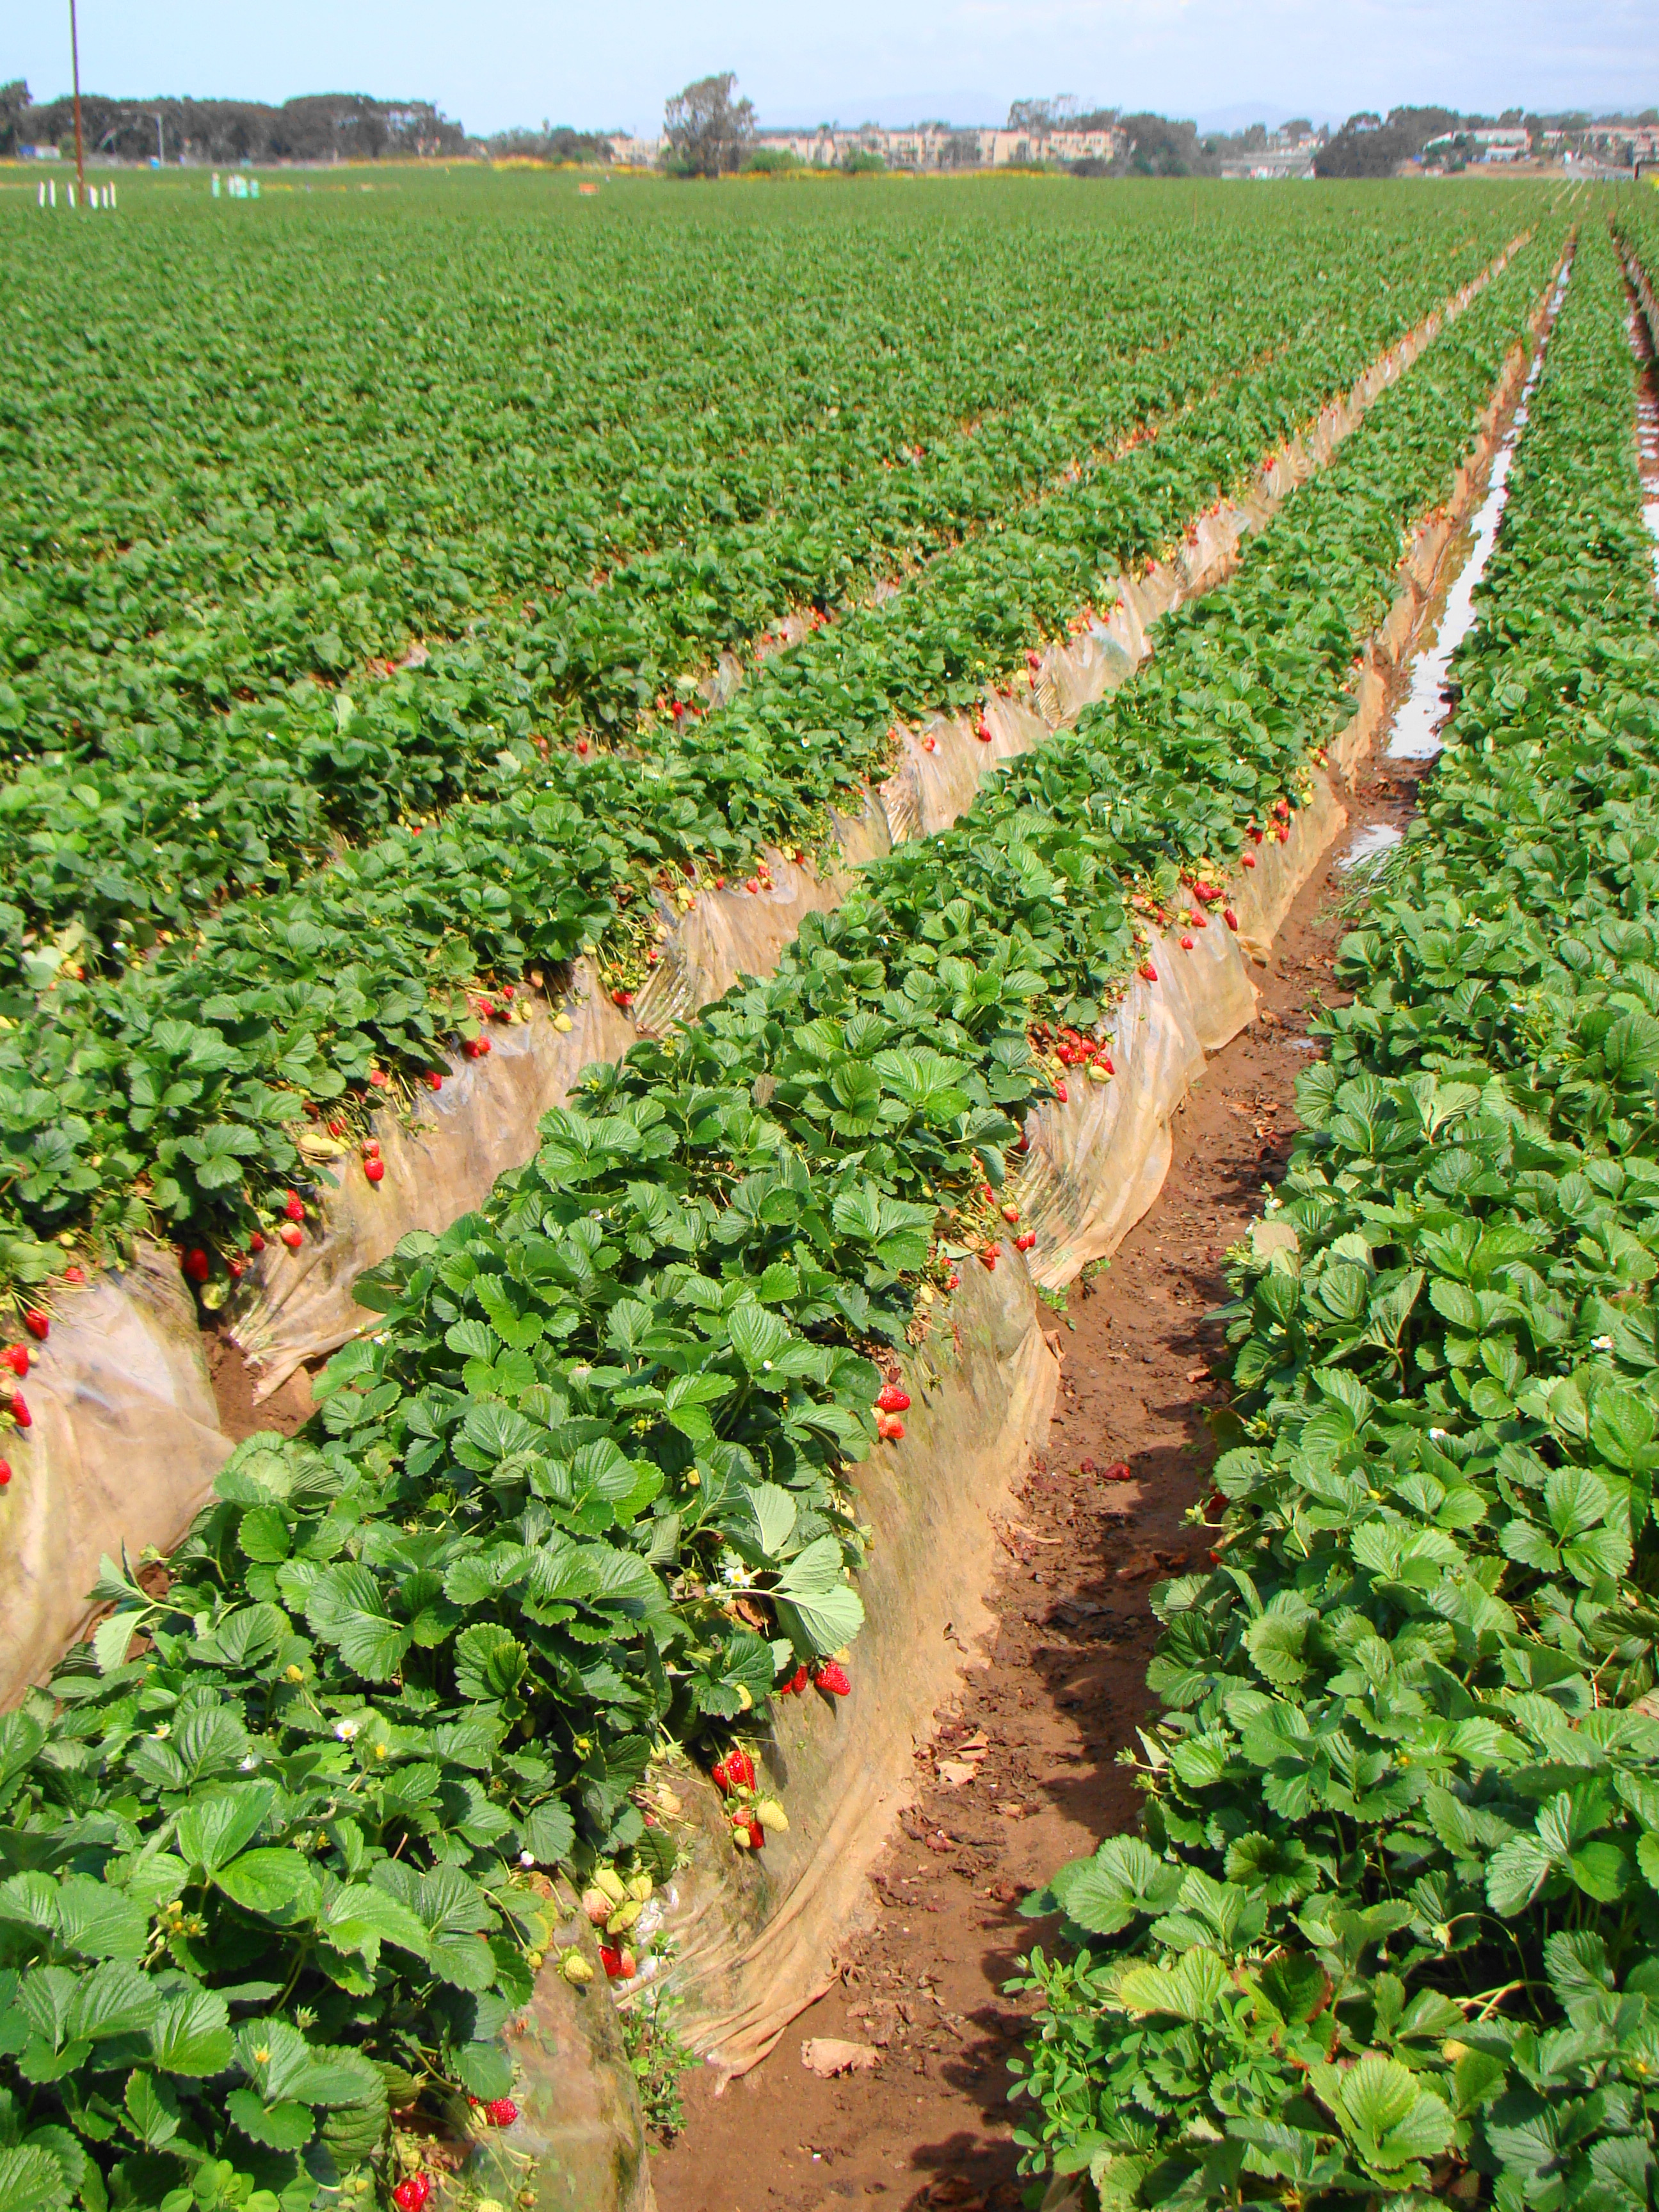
x=403, y=600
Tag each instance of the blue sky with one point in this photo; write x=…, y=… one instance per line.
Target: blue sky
x=493, y=63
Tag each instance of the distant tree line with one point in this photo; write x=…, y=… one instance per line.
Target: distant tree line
x=554, y=142
x=347, y=126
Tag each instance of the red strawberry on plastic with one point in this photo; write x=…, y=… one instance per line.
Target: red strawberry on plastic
x=434, y=1080
x=1059, y=1092
x=1230, y=917
x=621, y=998
x=294, y=1206
x=16, y=1357
x=75, y=1274
x=1105, y=1060
x=292, y=1235
x=988, y=1261
x=1149, y=974
x=196, y=1265
x=1249, y=859
x=500, y=2111
x=832, y=1677
x=374, y=1169
x=5, y=1473
x=891, y=1428
x=1186, y=943
x=37, y=1325
x=20, y=1411
x=1024, y=1243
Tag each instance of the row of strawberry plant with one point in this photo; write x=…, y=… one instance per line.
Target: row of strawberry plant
x=158, y=814
x=1390, y=1929
x=273, y=1875
x=169, y=1092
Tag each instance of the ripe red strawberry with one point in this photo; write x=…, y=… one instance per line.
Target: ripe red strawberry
x=5, y=1473
x=832, y=1677
x=1024, y=1243
x=621, y=998
x=753, y=884
x=37, y=1325
x=930, y=744
x=1249, y=859
x=506, y=991
x=1011, y=1214
x=888, y=1426
x=1256, y=833
x=1024, y=1144
x=294, y=1206
x=1059, y=1092
x=1285, y=835
x=757, y=1835
x=20, y=1411
x=652, y=958
x=983, y=733
x=374, y=1169
x=1186, y=943
x=410, y=2195
x=378, y=1077
x=796, y=1683
x=612, y=1959
x=1230, y=917
x=292, y=1235
x=892, y=1399
x=75, y=1274
x=1105, y=1060
x=434, y=1081
x=16, y=1357
x=581, y=747
x=500, y=2111
x=237, y=1266
x=1117, y=1471
x=952, y=1281
x=736, y=1771
x=1282, y=809
x=196, y=1265
x=371, y=1148
x=336, y=1128
x=1149, y=974
x=720, y=882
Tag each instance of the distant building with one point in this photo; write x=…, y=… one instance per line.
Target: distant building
x=633, y=152
x=38, y=154
x=941, y=146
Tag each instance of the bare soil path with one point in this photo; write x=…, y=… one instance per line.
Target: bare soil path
x=1038, y=1729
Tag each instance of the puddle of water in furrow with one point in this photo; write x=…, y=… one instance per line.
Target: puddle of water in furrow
x=1422, y=713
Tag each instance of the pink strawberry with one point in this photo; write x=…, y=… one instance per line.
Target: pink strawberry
x=1282, y=809
x=832, y=1678
x=37, y=1325
x=292, y=1235
x=890, y=1426
x=378, y=1077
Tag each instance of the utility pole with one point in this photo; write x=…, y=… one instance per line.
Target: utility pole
x=75, y=61
x=161, y=151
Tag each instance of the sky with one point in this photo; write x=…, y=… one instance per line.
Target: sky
x=492, y=64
